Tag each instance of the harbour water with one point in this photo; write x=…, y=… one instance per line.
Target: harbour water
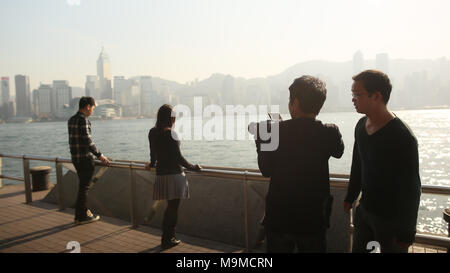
x=127, y=139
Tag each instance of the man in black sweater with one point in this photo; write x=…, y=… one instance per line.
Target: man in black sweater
x=298, y=202
x=385, y=168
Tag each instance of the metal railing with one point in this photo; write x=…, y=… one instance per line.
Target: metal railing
x=339, y=181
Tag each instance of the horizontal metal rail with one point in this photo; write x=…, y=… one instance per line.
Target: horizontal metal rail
x=12, y=178
x=336, y=180
x=432, y=240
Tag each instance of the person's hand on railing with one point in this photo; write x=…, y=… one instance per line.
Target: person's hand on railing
x=197, y=168
x=104, y=160
x=147, y=167
x=347, y=207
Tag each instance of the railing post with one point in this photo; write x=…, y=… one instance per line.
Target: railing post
x=447, y=219
x=59, y=184
x=27, y=180
x=245, y=212
x=351, y=230
x=133, y=198
x=1, y=183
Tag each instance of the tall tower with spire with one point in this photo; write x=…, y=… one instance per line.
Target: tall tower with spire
x=104, y=75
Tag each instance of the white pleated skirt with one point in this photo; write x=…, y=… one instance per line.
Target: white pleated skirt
x=171, y=186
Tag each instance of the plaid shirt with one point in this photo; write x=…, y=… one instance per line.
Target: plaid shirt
x=80, y=142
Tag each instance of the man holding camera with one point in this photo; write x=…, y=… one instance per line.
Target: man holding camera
x=298, y=202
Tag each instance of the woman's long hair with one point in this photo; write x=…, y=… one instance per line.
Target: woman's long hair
x=164, y=118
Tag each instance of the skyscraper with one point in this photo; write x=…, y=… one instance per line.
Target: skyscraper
x=92, y=87
x=23, y=104
x=104, y=75
x=122, y=89
x=43, y=101
x=358, y=62
x=146, y=95
x=382, y=62
x=130, y=97
x=4, y=98
x=62, y=95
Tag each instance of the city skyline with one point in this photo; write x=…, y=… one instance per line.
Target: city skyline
x=141, y=95
x=94, y=79
x=192, y=40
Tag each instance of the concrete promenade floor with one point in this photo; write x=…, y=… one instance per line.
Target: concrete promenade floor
x=41, y=228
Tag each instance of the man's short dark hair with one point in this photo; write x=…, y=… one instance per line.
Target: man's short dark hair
x=85, y=101
x=310, y=92
x=373, y=81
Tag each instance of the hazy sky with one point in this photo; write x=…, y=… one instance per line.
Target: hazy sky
x=186, y=39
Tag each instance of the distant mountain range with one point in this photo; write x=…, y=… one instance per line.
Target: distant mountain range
x=416, y=83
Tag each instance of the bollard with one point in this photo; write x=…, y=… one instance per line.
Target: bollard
x=40, y=178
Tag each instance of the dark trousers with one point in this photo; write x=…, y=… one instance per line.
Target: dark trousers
x=85, y=170
x=378, y=231
x=287, y=243
x=170, y=219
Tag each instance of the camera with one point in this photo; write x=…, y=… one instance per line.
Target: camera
x=253, y=127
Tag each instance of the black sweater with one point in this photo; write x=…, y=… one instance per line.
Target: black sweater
x=299, y=184
x=385, y=167
x=165, y=153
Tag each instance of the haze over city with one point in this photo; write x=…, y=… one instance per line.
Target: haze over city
x=187, y=40
x=223, y=65
x=137, y=55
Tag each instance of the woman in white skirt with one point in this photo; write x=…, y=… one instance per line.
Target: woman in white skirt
x=171, y=183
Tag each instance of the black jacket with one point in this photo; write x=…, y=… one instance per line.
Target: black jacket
x=165, y=153
x=299, y=185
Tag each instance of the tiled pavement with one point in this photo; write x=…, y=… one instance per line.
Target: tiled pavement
x=41, y=228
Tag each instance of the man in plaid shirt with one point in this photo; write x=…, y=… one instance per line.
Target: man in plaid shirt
x=83, y=150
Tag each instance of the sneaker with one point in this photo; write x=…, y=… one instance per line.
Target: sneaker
x=171, y=243
x=88, y=219
x=89, y=213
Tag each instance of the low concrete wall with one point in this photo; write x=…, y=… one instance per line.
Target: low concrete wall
x=215, y=210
